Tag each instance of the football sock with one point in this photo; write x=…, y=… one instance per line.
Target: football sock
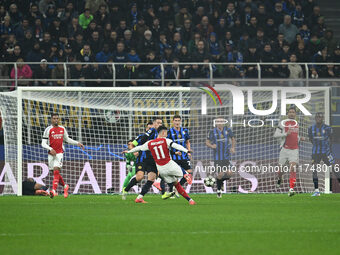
x=219, y=184
x=55, y=179
x=182, y=191
x=146, y=187
x=162, y=186
x=183, y=181
x=61, y=181
x=315, y=180
x=292, y=180
x=139, y=196
x=132, y=183
x=171, y=187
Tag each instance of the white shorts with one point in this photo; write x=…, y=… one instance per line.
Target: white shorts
x=55, y=161
x=170, y=172
x=288, y=155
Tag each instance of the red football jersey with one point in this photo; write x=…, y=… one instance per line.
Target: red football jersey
x=292, y=139
x=160, y=151
x=55, y=136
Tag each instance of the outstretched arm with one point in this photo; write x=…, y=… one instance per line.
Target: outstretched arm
x=71, y=141
x=143, y=147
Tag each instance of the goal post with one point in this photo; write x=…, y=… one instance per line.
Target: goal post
x=104, y=119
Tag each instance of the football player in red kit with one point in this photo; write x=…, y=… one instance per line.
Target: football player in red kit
x=167, y=168
x=288, y=133
x=53, y=138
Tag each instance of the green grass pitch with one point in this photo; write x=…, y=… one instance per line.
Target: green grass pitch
x=235, y=224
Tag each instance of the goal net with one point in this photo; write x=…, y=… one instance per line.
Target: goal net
x=104, y=119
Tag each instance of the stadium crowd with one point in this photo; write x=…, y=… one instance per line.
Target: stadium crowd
x=171, y=31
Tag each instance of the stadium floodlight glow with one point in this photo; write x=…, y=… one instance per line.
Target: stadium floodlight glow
x=239, y=102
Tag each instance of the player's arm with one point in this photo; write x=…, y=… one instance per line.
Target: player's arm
x=143, y=138
x=280, y=133
x=187, y=143
x=71, y=141
x=233, y=140
x=44, y=143
x=143, y=147
x=209, y=140
x=310, y=134
x=176, y=146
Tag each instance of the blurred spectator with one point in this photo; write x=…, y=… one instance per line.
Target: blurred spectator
x=204, y=28
x=14, y=54
x=104, y=55
x=251, y=56
x=86, y=54
x=6, y=27
x=101, y=16
x=197, y=18
x=230, y=14
x=95, y=42
x=46, y=44
x=74, y=28
x=302, y=54
x=329, y=41
x=288, y=29
x=23, y=72
x=271, y=31
x=146, y=44
x=38, y=29
x=58, y=74
x=121, y=28
x=173, y=72
x=215, y=49
x=34, y=55
x=167, y=14
x=155, y=27
x=168, y=54
x=41, y=73
x=252, y=27
x=278, y=13
x=27, y=43
x=192, y=45
x=141, y=27
x=182, y=16
x=85, y=18
x=133, y=56
x=94, y=5
x=128, y=40
x=94, y=72
x=77, y=73
x=177, y=43
x=78, y=44
x=314, y=45
x=220, y=28
x=15, y=14
x=21, y=29
x=295, y=70
x=268, y=56
x=69, y=54
x=282, y=71
x=184, y=55
x=128, y=72
x=201, y=53
x=298, y=17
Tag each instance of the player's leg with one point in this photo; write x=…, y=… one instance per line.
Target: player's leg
x=187, y=171
x=224, y=174
x=40, y=190
x=151, y=169
x=316, y=159
x=282, y=161
x=129, y=176
x=293, y=158
x=171, y=172
x=137, y=178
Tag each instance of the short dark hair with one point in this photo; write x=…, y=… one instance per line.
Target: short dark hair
x=54, y=114
x=149, y=123
x=156, y=118
x=176, y=117
x=130, y=141
x=161, y=128
x=292, y=108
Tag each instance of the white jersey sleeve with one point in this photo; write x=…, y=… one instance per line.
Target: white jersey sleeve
x=176, y=146
x=46, y=139
x=143, y=147
x=280, y=134
x=68, y=139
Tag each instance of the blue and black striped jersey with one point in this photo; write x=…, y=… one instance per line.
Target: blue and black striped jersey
x=320, y=138
x=181, y=137
x=143, y=138
x=222, y=141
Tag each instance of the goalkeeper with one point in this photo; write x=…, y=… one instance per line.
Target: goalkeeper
x=130, y=164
